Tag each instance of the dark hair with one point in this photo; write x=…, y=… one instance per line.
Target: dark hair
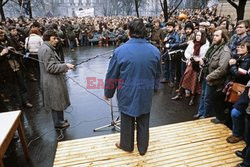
x=36, y=24
x=203, y=37
x=189, y=25
x=48, y=34
x=137, y=29
x=224, y=33
x=245, y=22
x=171, y=24
x=227, y=23
x=247, y=44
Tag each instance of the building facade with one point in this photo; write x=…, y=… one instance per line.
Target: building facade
x=69, y=7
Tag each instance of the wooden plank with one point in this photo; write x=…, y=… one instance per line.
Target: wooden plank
x=194, y=143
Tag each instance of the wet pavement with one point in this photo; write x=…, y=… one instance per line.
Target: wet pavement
x=86, y=112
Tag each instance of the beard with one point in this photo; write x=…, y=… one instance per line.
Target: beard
x=217, y=42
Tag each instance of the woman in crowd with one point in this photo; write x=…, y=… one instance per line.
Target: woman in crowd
x=195, y=51
x=32, y=45
x=238, y=73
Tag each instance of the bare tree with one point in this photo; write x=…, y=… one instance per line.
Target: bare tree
x=127, y=6
x=137, y=5
x=2, y=3
x=166, y=11
x=240, y=8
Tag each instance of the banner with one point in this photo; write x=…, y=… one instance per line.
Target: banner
x=85, y=12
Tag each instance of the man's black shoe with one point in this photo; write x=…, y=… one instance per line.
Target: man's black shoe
x=196, y=116
x=63, y=125
x=242, y=165
x=217, y=121
x=239, y=154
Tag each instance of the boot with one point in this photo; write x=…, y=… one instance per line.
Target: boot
x=191, y=102
x=178, y=96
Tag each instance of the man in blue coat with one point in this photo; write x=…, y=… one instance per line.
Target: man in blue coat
x=134, y=71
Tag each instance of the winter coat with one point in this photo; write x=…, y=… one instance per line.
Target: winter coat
x=218, y=67
x=53, y=84
x=33, y=43
x=236, y=75
x=136, y=64
x=190, y=50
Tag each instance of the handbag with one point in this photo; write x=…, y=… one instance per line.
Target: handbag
x=235, y=92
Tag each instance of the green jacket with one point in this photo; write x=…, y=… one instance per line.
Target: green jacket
x=218, y=67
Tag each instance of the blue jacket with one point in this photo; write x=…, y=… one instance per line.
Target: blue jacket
x=234, y=42
x=134, y=71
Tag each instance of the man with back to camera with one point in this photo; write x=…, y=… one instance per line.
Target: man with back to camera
x=53, y=84
x=136, y=64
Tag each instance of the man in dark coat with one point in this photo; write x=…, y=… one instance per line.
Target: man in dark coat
x=53, y=84
x=133, y=71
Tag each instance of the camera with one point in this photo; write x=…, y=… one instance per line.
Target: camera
x=195, y=64
x=205, y=64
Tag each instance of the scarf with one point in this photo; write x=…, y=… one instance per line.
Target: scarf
x=197, y=47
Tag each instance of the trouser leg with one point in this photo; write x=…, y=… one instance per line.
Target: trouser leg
x=127, y=132
x=58, y=117
x=142, y=133
x=238, y=122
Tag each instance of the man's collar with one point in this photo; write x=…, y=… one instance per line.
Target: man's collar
x=49, y=45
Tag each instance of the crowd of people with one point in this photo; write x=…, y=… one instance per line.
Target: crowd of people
x=202, y=53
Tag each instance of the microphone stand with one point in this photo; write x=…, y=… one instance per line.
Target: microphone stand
x=115, y=123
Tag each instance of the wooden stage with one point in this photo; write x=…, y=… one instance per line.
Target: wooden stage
x=192, y=144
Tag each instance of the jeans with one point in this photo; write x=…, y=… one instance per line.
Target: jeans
x=71, y=44
x=169, y=72
x=238, y=122
x=214, y=102
x=201, y=110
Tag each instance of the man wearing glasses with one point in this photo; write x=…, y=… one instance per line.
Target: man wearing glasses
x=242, y=29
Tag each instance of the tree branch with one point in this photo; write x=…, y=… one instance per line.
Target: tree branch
x=15, y=2
x=172, y=11
x=233, y=4
x=4, y=2
x=161, y=5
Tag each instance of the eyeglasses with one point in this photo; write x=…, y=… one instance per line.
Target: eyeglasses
x=241, y=47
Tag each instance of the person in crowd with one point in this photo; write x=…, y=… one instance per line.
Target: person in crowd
x=53, y=84
x=224, y=24
x=171, y=40
x=195, y=51
x=238, y=73
x=32, y=44
x=186, y=37
x=132, y=63
x=215, y=68
x=104, y=38
x=70, y=36
x=11, y=70
x=242, y=28
x=243, y=105
x=157, y=35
